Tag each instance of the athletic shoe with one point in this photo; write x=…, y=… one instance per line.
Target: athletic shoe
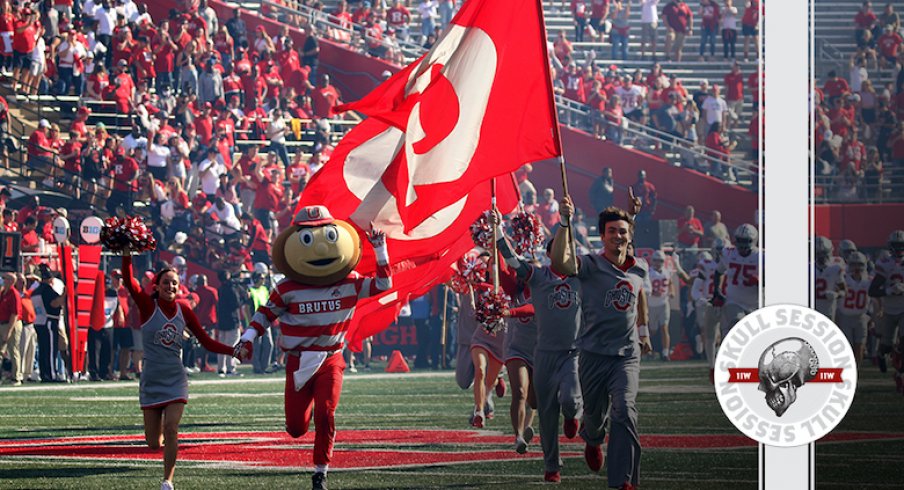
x=489, y=408
x=17, y=383
x=520, y=445
x=552, y=477
x=353, y=369
x=318, y=481
x=570, y=428
x=899, y=384
x=626, y=486
x=500, y=387
x=883, y=366
x=528, y=434
x=477, y=420
x=166, y=485
x=593, y=455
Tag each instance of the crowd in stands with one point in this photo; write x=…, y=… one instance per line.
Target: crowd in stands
x=859, y=120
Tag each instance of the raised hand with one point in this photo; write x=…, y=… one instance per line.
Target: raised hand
x=566, y=208
x=636, y=202
x=376, y=237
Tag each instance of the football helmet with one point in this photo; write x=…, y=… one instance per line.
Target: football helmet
x=823, y=248
x=856, y=261
x=846, y=248
x=719, y=245
x=746, y=237
x=896, y=243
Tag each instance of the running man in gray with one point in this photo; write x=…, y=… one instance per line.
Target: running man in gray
x=556, y=304
x=611, y=339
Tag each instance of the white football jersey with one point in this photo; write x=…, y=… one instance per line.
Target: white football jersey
x=660, y=286
x=706, y=272
x=893, y=272
x=856, y=299
x=742, y=278
x=828, y=278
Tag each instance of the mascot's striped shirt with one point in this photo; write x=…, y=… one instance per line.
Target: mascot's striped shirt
x=315, y=318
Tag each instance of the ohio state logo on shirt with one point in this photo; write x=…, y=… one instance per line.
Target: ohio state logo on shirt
x=562, y=297
x=621, y=297
x=167, y=335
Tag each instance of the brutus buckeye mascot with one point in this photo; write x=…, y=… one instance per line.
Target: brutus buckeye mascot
x=314, y=305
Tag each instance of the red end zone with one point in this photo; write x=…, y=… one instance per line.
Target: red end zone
x=355, y=449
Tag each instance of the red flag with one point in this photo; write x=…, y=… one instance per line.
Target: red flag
x=349, y=185
x=477, y=106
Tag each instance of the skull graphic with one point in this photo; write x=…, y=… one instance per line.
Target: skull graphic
x=784, y=367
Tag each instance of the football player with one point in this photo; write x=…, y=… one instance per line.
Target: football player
x=853, y=310
x=702, y=290
x=845, y=249
x=661, y=291
x=829, y=277
x=739, y=269
x=888, y=286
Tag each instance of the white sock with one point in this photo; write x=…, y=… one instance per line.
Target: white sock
x=321, y=468
x=665, y=352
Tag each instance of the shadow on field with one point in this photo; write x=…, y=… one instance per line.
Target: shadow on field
x=61, y=473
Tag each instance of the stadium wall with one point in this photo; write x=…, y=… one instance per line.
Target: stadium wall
x=868, y=225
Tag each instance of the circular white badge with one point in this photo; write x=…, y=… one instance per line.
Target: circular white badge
x=61, y=229
x=90, y=229
x=785, y=375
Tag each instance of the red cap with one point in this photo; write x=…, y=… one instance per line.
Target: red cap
x=313, y=216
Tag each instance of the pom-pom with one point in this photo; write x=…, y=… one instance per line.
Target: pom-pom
x=470, y=270
x=482, y=231
x=527, y=233
x=127, y=234
x=490, y=305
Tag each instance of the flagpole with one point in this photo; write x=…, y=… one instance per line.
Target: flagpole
x=443, y=333
x=555, y=129
x=495, y=247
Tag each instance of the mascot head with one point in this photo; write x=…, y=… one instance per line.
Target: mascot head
x=316, y=249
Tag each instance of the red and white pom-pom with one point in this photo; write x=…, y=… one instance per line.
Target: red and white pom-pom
x=482, y=232
x=130, y=233
x=489, y=308
x=527, y=233
x=469, y=270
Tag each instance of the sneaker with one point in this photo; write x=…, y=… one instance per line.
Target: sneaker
x=166, y=485
x=352, y=369
x=477, y=420
x=17, y=383
x=626, y=486
x=318, y=481
x=500, y=387
x=222, y=375
x=528, y=434
x=570, y=428
x=552, y=477
x=593, y=455
x=520, y=445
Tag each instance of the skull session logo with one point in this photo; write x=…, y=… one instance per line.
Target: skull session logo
x=785, y=375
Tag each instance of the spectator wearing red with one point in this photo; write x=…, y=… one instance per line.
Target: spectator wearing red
x=646, y=192
x=709, y=21
x=324, y=98
x=719, y=147
x=399, y=18
x=853, y=153
x=750, y=27
x=574, y=83
x=599, y=10
x=889, y=45
x=39, y=149
x=260, y=239
x=267, y=198
x=24, y=40
x=679, y=21
x=7, y=27
x=754, y=81
x=548, y=210
x=734, y=94
x=835, y=86
x=124, y=90
x=864, y=23
x=842, y=116
x=206, y=312
x=579, y=13
x=124, y=171
x=690, y=229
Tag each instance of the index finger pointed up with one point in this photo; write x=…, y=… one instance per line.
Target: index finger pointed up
x=631, y=192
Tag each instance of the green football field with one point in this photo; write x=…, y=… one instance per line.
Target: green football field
x=408, y=431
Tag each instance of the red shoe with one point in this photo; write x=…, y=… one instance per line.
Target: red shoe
x=712, y=376
x=552, y=477
x=593, y=455
x=570, y=428
x=500, y=388
x=627, y=486
x=207, y=369
x=477, y=421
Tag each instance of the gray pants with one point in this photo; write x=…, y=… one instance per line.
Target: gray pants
x=464, y=367
x=229, y=337
x=557, y=388
x=263, y=351
x=617, y=377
